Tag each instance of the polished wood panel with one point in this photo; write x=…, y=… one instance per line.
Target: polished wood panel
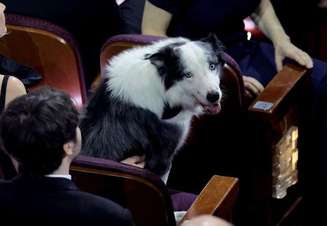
x=217, y=198
x=279, y=87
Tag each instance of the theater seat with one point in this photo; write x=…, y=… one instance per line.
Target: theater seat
x=48, y=49
x=145, y=194
x=253, y=140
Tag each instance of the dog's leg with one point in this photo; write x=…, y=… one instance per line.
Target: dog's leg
x=183, y=120
x=165, y=177
x=158, y=162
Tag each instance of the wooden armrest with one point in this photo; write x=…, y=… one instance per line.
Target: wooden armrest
x=274, y=94
x=217, y=198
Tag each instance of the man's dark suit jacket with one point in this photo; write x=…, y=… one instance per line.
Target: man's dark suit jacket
x=56, y=201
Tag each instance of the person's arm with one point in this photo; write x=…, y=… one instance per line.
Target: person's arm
x=15, y=88
x=155, y=21
x=267, y=21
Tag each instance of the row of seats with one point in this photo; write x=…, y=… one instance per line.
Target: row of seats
x=52, y=52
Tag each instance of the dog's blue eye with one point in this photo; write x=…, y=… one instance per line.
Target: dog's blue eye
x=188, y=74
x=212, y=67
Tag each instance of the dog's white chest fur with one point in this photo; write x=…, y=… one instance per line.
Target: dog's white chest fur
x=182, y=120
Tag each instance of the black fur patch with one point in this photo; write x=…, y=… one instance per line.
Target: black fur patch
x=116, y=130
x=167, y=62
x=170, y=112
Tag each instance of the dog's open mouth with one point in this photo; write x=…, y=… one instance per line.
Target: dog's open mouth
x=212, y=108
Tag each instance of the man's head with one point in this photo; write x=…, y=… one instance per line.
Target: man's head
x=40, y=129
x=206, y=220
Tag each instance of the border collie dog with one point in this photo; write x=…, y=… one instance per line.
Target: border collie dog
x=147, y=98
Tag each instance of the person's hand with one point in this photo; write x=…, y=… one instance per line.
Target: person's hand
x=136, y=160
x=252, y=87
x=284, y=48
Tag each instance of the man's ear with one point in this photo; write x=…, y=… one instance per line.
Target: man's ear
x=69, y=148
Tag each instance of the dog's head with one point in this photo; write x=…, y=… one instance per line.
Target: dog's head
x=191, y=73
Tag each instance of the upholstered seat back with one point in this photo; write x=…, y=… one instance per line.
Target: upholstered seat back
x=49, y=50
x=134, y=188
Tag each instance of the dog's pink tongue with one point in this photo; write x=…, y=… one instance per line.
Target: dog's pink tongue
x=213, y=109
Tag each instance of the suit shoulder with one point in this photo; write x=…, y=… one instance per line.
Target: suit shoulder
x=4, y=184
x=107, y=209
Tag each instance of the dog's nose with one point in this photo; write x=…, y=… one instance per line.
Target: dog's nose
x=213, y=96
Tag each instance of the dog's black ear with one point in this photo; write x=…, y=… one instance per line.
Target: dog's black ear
x=216, y=44
x=163, y=55
x=156, y=59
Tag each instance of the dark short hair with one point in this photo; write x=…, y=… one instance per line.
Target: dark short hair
x=34, y=128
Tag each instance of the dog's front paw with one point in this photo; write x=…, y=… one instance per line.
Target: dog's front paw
x=157, y=166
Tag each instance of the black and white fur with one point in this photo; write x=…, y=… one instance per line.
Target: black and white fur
x=127, y=114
